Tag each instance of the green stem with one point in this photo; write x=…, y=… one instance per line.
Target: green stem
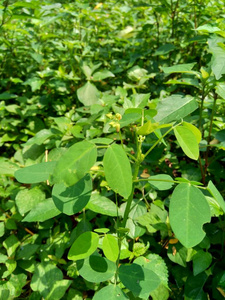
x=129, y=200
x=158, y=141
x=209, y=135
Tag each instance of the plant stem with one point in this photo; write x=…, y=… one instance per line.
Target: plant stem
x=209, y=135
x=159, y=140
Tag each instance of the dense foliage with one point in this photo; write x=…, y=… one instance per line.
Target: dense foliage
x=112, y=143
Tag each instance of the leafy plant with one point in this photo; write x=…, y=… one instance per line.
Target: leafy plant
x=112, y=159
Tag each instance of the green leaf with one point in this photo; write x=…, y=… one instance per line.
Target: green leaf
x=35, y=173
x=11, y=244
x=216, y=195
x=218, y=56
x=28, y=199
x=71, y=200
x=156, y=264
x=102, y=75
x=147, y=128
x=102, y=205
x=194, y=130
x=175, y=108
x=140, y=281
x=110, y=247
x=2, y=229
x=7, y=168
x=88, y=94
x=43, y=211
x=75, y=163
x=118, y=170
x=194, y=287
x=110, y=292
x=164, y=49
x=84, y=246
x=178, y=254
x=48, y=281
x=182, y=68
x=96, y=268
x=201, y=261
x=188, y=212
x=156, y=182
x=187, y=141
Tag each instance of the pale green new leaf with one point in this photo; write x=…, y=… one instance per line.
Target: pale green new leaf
x=188, y=212
x=75, y=163
x=187, y=141
x=84, y=246
x=110, y=247
x=118, y=170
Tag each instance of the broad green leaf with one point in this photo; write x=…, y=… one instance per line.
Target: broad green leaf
x=102, y=75
x=11, y=244
x=71, y=200
x=218, y=56
x=201, y=261
x=35, y=173
x=96, y=268
x=140, y=100
x=118, y=170
x=187, y=141
x=110, y=292
x=216, y=195
x=110, y=247
x=7, y=168
x=140, y=281
x=42, y=136
x=164, y=49
x=194, y=130
x=147, y=128
x=220, y=89
x=43, y=211
x=161, y=182
x=102, y=205
x=58, y=290
x=182, y=68
x=75, y=163
x=48, y=281
x=175, y=108
x=194, y=287
x=188, y=212
x=28, y=199
x=184, y=81
x=208, y=28
x=156, y=264
x=161, y=293
x=128, y=119
x=103, y=141
x=88, y=94
x=178, y=254
x=84, y=246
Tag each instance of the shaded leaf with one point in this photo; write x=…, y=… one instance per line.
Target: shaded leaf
x=84, y=246
x=188, y=212
x=71, y=200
